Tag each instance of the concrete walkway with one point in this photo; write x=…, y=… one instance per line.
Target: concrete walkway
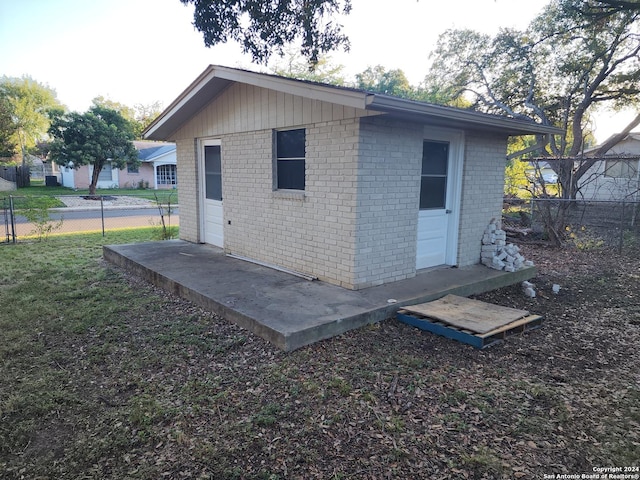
x=284, y=309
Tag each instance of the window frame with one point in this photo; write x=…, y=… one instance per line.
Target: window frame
x=214, y=175
x=433, y=175
x=277, y=161
x=162, y=175
x=621, y=168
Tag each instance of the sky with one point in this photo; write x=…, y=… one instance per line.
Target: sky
x=146, y=51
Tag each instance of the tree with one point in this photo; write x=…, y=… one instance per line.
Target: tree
x=390, y=82
x=395, y=82
x=294, y=65
x=598, y=9
x=557, y=72
x=145, y=114
x=8, y=145
x=95, y=137
x=29, y=104
x=262, y=27
x=139, y=116
x=124, y=110
x=620, y=4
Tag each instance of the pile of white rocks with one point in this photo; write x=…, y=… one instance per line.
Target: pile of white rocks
x=497, y=253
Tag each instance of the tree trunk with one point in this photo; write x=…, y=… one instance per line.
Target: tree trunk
x=566, y=179
x=97, y=168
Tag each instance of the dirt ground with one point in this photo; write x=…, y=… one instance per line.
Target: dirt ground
x=179, y=393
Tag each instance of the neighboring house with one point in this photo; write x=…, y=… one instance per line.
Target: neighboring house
x=351, y=187
x=535, y=170
x=617, y=176
x=157, y=170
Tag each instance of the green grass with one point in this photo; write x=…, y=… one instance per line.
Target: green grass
x=104, y=376
x=54, y=300
x=38, y=190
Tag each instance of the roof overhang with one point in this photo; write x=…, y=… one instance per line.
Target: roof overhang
x=216, y=79
x=457, y=117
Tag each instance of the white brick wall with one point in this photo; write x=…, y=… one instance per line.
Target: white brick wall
x=188, y=188
x=355, y=225
x=311, y=232
x=388, y=198
x=482, y=187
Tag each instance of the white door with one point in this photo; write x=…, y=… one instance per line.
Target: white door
x=212, y=213
x=437, y=232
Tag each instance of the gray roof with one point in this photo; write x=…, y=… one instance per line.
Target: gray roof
x=215, y=79
x=149, y=151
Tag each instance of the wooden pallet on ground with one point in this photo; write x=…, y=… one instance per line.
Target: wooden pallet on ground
x=469, y=321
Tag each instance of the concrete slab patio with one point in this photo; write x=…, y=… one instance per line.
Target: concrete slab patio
x=286, y=310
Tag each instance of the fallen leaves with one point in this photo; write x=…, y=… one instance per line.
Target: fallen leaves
x=181, y=393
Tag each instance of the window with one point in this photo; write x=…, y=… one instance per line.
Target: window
x=105, y=174
x=213, y=172
x=166, y=175
x=621, y=168
x=131, y=168
x=433, y=181
x=290, y=163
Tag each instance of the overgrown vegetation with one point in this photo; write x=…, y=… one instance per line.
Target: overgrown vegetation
x=36, y=211
x=164, y=229
x=106, y=377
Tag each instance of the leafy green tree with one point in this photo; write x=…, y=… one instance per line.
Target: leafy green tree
x=597, y=9
x=95, y=137
x=395, y=82
x=28, y=104
x=390, y=82
x=124, y=110
x=294, y=65
x=145, y=114
x=557, y=72
x=139, y=116
x=262, y=27
x=8, y=145
x=374, y=79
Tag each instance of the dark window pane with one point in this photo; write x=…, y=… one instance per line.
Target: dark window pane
x=212, y=162
x=290, y=154
x=290, y=143
x=213, y=172
x=214, y=187
x=291, y=174
x=434, y=158
x=433, y=192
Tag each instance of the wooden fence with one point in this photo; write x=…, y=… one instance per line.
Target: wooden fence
x=19, y=175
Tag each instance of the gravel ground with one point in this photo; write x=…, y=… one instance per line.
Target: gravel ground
x=113, y=201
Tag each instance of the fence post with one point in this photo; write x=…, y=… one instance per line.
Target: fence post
x=6, y=218
x=102, y=212
x=13, y=219
x=621, y=242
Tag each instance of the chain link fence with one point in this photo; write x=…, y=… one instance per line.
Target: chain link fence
x=586, y=224
x=36, y=217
